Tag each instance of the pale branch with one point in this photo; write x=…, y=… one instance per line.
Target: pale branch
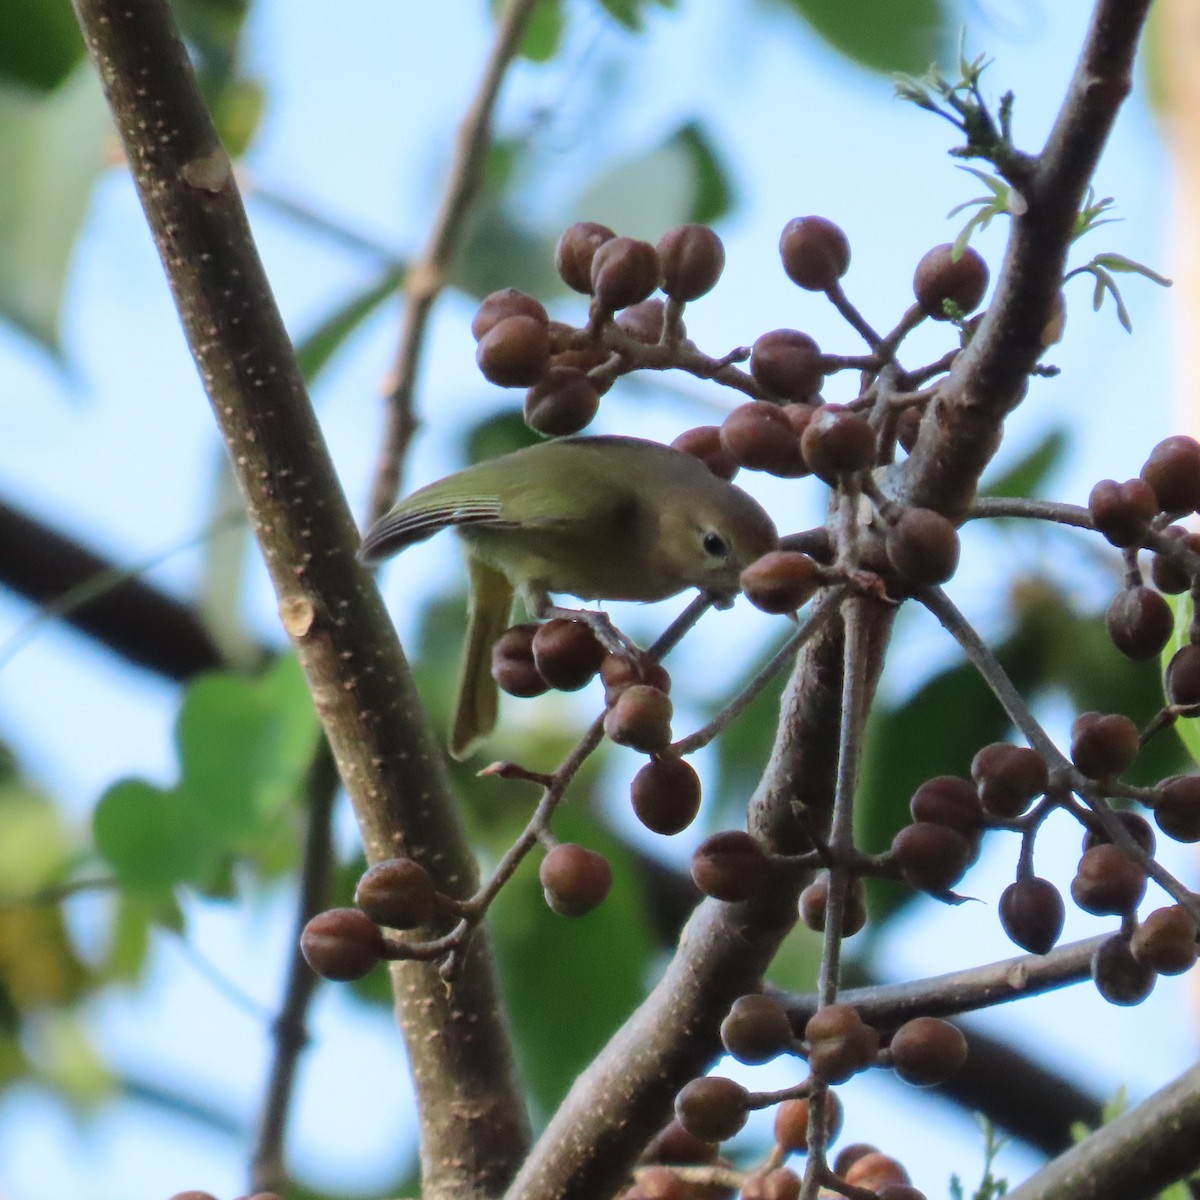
x=426, y=275
x=474, y=1128
x=1133, y=1157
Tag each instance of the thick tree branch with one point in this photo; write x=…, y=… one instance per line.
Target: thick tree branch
x=474, y=1128
x=1131, y=1158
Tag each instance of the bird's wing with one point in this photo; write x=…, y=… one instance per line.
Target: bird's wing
x=421, y=516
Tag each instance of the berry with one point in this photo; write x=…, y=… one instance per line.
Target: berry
x=923, y=546
x=941, y=277
x=1122, y=511
x=641, y=719
x=508, y=302
x=1165, y=941
x=899, y=1191
x=782, y=1183
x=1009, y=778
x=193, y=1196
x=814, y=902
x=619, y=672
x=1173, y=471
x=514, y=352
x=759, y=436
x=837, y=442
x=1183, y=676
x=757, y=1029
x=624, y=272
x=908, y=425
x=398, y=893
x=713, y=1108
x=840, y=1043
x=876, y=1171
x=660, y=1183
x=1107, y=880
x=1118, y=976
x=1104, y=744
x=567, y=654
x=692, y=259
x=815, y=253
x=644, y=322
x=926, y=1051
x=562, y=402
x=342, y=944
x=1139, y=622
x=1177, y=812
x=792, y=1118
x=1167, y=575
x=1139, y=829
x=666, y=795
x=781, y=581
x=513, y=667
x=674, y=1144
x=729, y=866
x=948, y=800
x=787, y=363
x=1032, y=913
x=576, y=248
x=574, y=879
x=932, y=858
x=849, y=1155
x=704, y=442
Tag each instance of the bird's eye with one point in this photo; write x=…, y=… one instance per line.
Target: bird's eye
x=714, y=545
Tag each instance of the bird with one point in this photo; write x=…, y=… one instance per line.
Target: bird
x=598, y=518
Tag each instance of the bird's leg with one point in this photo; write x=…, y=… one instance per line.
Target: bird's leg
x=607, y=634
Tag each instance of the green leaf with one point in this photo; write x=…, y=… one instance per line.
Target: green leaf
x=1026, y=477
x=52, y=149
x=630, y=13
x=244, y=745
x=150, y=838
x=881, y=35
x=543, y=35
x=314, y=351
x=592, y=967
x=41, y=43
x=1188, y=728
x=680, y=180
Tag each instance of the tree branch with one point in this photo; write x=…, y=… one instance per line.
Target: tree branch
x=474, y=1128
x=427, y=274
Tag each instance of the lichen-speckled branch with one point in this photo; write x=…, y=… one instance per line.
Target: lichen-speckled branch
x=474, y=1129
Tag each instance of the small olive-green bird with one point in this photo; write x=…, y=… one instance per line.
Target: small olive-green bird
x=601, y=518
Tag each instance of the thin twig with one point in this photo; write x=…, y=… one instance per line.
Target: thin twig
x=427, y=273
x=268, y=1172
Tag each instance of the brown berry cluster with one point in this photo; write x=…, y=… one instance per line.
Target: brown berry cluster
x=348, y=943
x=1139, y=512
x=565, y=369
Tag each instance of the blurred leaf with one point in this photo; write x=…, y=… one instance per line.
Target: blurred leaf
x=497, y=252
x=151, y=839
x=213, y=29
x=39, y=968
x=41, y=43
x=1187, y=728
x=592, y=968
x=52, y=149
x=881, y=34
x=1026, y=477
x=679, y=180
x=244, y=745
x=69, y=1062
x=500, y=433
x=544, y=34
x=631, y=13
x=237, y=112
x=714, y=188
x=743, y=748
x=314, y=351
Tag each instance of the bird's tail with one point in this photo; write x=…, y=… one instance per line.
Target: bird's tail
x=488, y=616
